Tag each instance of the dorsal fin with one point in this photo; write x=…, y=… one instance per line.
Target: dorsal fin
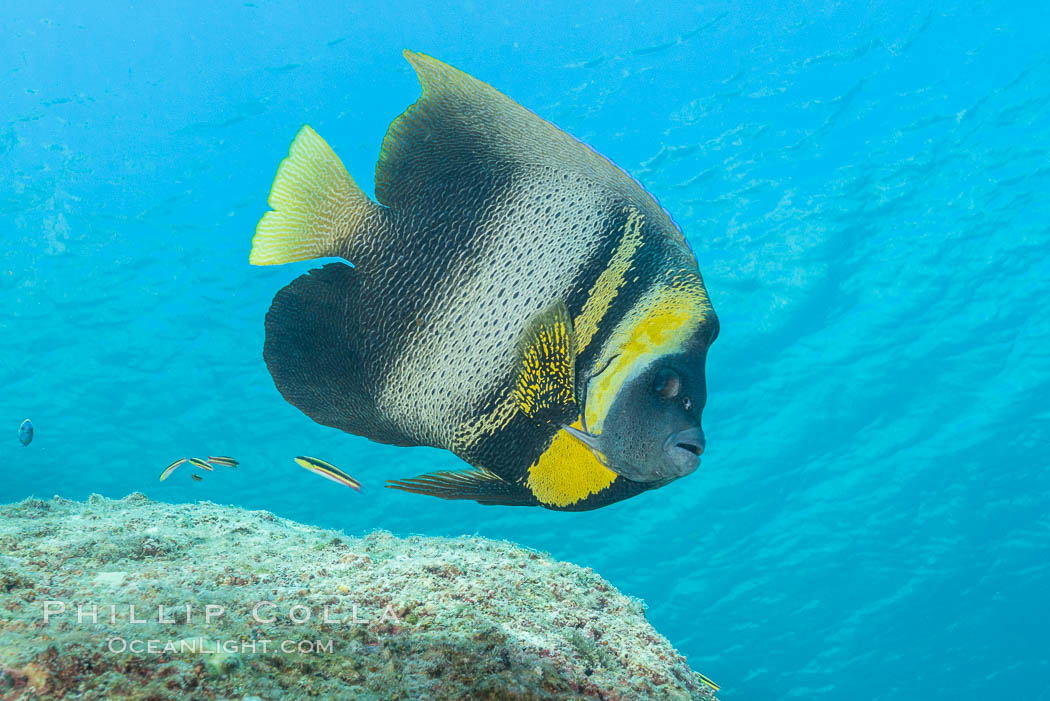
x=462, y=126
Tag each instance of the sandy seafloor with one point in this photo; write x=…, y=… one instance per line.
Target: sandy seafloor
x=237, y=604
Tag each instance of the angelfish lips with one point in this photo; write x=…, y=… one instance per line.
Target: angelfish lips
x=683, y=449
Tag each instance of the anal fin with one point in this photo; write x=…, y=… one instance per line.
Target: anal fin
x=479, y=484
x=546, y=383
x=317, y=351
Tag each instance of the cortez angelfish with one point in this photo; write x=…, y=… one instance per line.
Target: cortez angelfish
x=515, y=298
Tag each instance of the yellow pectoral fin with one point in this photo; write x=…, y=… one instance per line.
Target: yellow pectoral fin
x=567, y=472
x=546, y=365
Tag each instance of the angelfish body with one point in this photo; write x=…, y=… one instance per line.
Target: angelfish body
x=514, y=298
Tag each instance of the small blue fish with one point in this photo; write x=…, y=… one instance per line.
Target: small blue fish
x=25, y=432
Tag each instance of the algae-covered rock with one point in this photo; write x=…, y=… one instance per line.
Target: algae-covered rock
x=134, y=598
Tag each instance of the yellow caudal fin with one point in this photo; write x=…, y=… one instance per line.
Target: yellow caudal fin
x=318, y=209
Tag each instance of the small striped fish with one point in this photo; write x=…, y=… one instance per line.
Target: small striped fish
x=197, y=462
x=328, y=471
x=171, y=468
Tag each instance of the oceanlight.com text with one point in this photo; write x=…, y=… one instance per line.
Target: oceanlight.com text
x=203, y=646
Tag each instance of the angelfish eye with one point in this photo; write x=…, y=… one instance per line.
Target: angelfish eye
x=667, y=383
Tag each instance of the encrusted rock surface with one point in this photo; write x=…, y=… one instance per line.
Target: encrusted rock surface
x=436, y=618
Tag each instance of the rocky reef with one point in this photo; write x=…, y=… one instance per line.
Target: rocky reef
x=141, y=599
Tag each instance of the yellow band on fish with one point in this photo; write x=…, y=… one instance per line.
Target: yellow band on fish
x=609, y=283
x=567, y=472
x=659, y=325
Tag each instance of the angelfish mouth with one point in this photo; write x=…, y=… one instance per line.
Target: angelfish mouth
x=691, y=447
x=683, y=450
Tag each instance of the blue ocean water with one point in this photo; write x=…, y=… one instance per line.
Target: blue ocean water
x=866, y=189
